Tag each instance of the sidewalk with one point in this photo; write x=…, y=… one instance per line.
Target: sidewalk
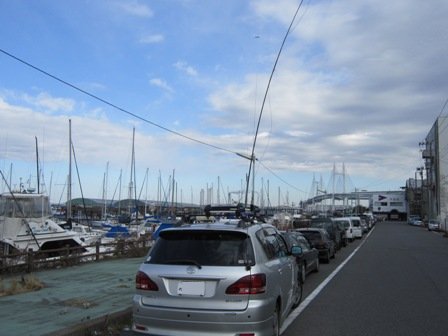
x=72, y=297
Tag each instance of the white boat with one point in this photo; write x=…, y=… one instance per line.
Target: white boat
x=26, y=224
x=86, y=234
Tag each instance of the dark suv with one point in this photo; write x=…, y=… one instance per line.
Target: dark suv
x=216, y=278
x=320, y=239
x=333, y=229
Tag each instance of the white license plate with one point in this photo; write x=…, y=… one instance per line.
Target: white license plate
x=191, y=288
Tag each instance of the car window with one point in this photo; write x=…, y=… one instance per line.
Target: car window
x=202, y=247
x=345, y=223
x=290, y=239
x=273, y=244
x=304, y=243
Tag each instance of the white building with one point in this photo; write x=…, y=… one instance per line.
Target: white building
x=389, y=205
x=435, y=186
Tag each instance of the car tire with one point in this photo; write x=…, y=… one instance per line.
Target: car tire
x=276, y=321
x=302, y=273
x=316, y=268
x=327, y=257
x=298, y=295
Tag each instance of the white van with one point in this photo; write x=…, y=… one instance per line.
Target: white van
x=357, y=227
x=347, y=225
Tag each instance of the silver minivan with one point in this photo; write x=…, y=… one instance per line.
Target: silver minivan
x=216, y=279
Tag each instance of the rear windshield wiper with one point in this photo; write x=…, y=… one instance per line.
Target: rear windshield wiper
x=183, y=262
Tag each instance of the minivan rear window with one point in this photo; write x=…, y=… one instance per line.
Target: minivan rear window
x=202, y=247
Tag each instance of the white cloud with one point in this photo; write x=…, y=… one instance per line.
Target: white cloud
x=356, y=139
x=51, y=104
x=136, y=8
x=150, y=39
x=162, y=84
x=351, y=86
x=184, y=67
x=357, y=82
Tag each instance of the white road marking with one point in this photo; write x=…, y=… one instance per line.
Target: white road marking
x=296, y=312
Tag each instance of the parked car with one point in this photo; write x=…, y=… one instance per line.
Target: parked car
x=343, y=232
x=216, y=278
x=433, y=225
x=332, y=228
x=415, y=220
x=357, y=228
x=320, y=240
x=348, y=225
x=364, y=225
x=308, y=260
x=369, y=219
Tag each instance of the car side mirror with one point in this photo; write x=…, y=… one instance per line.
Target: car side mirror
x=296, y=250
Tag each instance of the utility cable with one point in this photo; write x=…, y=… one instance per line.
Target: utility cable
x=104, y=101
x=252, y=156
x=281, y=179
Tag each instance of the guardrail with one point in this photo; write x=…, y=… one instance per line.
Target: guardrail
x=31, y=261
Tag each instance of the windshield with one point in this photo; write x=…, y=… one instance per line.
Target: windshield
x=35, y=206
x=356, y=222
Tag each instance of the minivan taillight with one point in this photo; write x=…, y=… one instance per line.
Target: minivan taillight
x=144, y=282
x=250, y=284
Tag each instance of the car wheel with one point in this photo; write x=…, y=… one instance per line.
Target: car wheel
x=303, y=273
x=298, y=294
x=276, y=321
x=334, y=254
x=327, y=257
x=316, y=268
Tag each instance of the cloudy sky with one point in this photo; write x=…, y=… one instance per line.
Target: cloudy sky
x=358, y=84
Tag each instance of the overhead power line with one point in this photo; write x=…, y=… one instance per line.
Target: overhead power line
x=104, y=101
x=280, y=178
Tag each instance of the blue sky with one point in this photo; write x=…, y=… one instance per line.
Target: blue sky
x=358, y=83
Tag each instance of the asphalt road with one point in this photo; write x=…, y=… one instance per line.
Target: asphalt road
x=395, y=283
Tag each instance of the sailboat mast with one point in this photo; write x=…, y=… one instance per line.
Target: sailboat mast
x=133, y=164
x=146, y=190
x=69, y=179
x=105, y=183
x=159, y=193
x=119, y=193
x=172, y=194
x=37, y=167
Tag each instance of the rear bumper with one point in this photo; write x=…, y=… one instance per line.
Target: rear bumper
x=257, y=318
x=357, y=233
x=324, y=253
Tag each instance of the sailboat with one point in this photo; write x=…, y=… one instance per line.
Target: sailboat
x=84, y=233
